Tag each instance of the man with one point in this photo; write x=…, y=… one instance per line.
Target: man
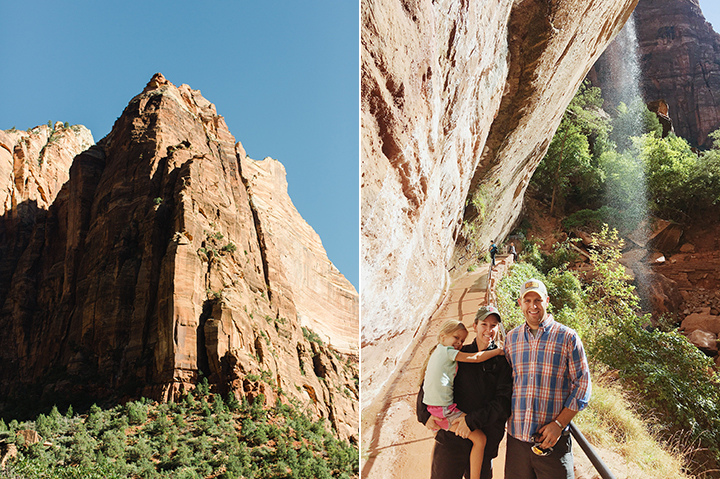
x=493, y=252
x=551, y=383
x=482, y=391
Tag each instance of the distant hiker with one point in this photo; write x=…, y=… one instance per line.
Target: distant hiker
x=493, y=252
x=513, y=252
x=481, y=390
x=551, y=383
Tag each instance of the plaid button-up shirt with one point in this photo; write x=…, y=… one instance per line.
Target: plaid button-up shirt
x=550, y=372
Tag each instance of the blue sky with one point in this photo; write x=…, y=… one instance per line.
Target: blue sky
x=284, y=74
x=711, y=11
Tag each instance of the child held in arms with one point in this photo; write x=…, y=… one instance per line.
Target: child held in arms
x=439, y=376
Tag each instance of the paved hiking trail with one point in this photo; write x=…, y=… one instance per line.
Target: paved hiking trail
x=395, y=444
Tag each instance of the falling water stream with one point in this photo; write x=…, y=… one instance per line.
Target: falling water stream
x=625, y=74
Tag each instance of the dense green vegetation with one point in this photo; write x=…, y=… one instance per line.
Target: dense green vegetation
x=595, y=166
x=201, y=436
x=672, y=381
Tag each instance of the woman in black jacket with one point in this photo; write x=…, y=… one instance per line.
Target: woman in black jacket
x=483, y=391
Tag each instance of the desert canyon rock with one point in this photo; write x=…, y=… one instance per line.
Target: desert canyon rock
x=325, y=292
x=680, y=60
x=680, y=64
x=459, y=103
x=168, y=255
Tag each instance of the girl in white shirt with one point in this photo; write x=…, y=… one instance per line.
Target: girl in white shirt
x=439, y=377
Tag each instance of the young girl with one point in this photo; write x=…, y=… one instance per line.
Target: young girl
x=438, y=385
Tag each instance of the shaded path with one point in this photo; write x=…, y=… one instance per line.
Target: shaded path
x=395, y=444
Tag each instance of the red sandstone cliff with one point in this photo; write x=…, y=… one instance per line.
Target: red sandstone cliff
x=680, y=64
x=459, y=101
x=680, y=60
x=157, y=263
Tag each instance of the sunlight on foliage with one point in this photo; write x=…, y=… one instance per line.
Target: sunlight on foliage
x=201, y=436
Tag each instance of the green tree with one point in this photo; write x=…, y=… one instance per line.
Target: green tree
x=671, y=167
x=570, y=162
x=136, y=412
x=632, y=121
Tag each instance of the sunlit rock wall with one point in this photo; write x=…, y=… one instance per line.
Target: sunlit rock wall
x=456, y=96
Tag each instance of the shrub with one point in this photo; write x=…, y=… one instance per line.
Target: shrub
x=113, y=443
x=136, y=412
x=672, y=376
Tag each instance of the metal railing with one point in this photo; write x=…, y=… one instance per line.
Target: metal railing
x=600, y=466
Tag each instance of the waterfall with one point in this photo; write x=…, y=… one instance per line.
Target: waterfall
x=624, y=61
x=624, y=94
x=627, y=191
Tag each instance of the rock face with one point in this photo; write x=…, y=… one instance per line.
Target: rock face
x=459, y=103
x=680, y=63
x=155, y=265
x=325, y=292
x=34, y=165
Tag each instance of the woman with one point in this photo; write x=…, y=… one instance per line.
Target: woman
x=483, y=391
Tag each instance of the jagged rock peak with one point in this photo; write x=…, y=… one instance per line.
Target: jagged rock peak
x=155, y=266
x=156, y=82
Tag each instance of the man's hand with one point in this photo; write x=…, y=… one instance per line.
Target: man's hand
x=432, y=425
x=461, y=427
x=551, y=433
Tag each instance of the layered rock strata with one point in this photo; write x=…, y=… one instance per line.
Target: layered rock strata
x=34, y=165
x=325, y=292
x=155, y=266
x=459, y=103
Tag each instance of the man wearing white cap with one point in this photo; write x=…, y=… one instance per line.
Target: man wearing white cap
x=551, y=383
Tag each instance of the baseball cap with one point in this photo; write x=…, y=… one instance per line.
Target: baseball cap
x=533, y=285
x=485, y=311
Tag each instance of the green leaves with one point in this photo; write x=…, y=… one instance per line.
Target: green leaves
x=622, y=161
x=196, y=438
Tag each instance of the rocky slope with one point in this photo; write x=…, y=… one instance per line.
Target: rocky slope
x=325, y=292
x=156, y=264
x=680, y=64
x=459, y=103
x=34, y=165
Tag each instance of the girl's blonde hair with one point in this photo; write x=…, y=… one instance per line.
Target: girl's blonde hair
x=448, y=327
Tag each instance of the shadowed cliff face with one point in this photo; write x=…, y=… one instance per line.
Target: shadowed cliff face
x=680, y=63
x=156, y=265
x=458, y=99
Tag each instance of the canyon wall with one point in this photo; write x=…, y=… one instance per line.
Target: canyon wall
x=34, y=165
x=680, y=64
x=325, y=293
x=459, y=103
x=680, y=61
x=157, y=264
